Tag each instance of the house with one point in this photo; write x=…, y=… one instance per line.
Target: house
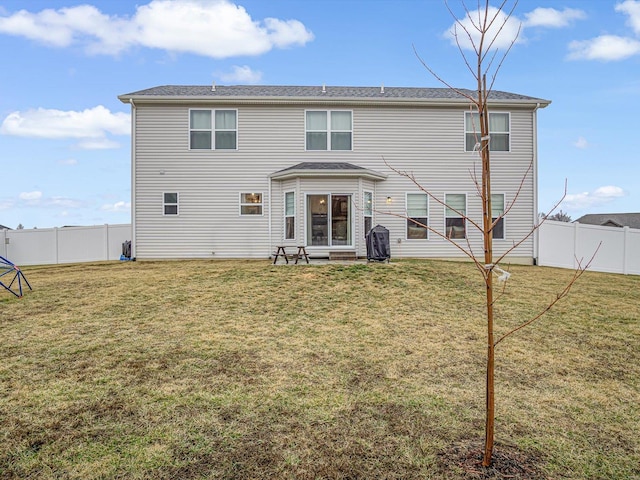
x=631, y=220
x=234, y=171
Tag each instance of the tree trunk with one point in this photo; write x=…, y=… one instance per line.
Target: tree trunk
x=488, y=261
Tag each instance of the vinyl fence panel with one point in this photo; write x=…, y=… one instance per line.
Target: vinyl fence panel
x=64, y=245
x=568, y=245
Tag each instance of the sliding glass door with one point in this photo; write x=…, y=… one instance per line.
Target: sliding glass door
x=329, y=220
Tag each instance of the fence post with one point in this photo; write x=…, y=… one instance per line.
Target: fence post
x=625, y=249
x=106, y=241
x=575, y=244
x=3, y=248
x=57, y=245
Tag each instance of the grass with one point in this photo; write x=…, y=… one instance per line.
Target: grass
x=241, y=369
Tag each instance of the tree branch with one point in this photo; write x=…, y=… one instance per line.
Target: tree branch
x=576, y=275
x=535, y=227
x=411, y=177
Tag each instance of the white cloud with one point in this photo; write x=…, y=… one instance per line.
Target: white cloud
x=471, y=36
x=117, y=207
x=631, y=8
x=91, y=125
x=604, y=47
x=506, y=27
x=97, y=144
x=68, y=161
x=611, y=47
x=30, y=196
x=552, y=18
x=62, y=202
x=600, y=196
x=36, y=198
x=581, y=143
x=241, y=74
x=213, y=28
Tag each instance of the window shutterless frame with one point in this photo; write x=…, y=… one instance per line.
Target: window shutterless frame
x=417, y=208
x=455, y=224
x=290, y=215
x=497, y=208
x=367, y=211
x=213, y=129
x=251, y=204
x=499, y=131
x=328, y=130
x=170, y=202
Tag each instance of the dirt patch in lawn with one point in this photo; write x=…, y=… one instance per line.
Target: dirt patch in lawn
x=508, y=463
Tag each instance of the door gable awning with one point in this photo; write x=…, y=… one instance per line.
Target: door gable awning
x=327, y=169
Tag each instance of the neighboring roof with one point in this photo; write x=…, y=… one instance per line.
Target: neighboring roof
x=326, y=169
x=273, y=93
x=2, y=227
x=631, y=220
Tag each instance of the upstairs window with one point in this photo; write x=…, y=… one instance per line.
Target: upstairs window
x=499, y=140
x=328, y=130
x=456, y=208
x=213, y=129
x=170, y=203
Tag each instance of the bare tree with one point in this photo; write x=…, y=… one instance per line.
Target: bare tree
x=481, y=29
x=559, y=216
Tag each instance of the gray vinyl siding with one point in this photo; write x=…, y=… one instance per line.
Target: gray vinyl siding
x=428, y=142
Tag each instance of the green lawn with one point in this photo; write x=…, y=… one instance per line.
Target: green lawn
x=244, y=370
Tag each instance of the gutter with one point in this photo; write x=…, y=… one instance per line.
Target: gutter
x=237, y=100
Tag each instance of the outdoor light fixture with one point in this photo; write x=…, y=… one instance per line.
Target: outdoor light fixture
x=388, y=199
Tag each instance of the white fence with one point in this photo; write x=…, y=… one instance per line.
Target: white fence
x=64, y=245
x=562, y=244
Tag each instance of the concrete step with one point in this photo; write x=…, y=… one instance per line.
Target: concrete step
x=343, y=255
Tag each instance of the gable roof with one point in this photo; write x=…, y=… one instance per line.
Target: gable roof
x=320, y=94
x=631, y=220
x=2, y=227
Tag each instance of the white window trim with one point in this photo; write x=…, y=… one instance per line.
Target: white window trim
x=328, y=130
x=213, y=131
x=165, y=204
x=466, y=212
x=240, y=204
x=294, y=215
x=364, y=208
x=464, y=127
x=406, y=211
x=504, y=218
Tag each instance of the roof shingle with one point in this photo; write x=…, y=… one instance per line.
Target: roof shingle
x=316, y=92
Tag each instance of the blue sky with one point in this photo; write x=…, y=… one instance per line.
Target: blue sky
x=64, y=135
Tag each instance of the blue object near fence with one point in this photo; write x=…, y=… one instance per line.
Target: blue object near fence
x=9, y=268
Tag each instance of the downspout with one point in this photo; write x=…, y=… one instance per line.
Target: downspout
x=269, y=218
x=535, y=182
x=133, y=179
